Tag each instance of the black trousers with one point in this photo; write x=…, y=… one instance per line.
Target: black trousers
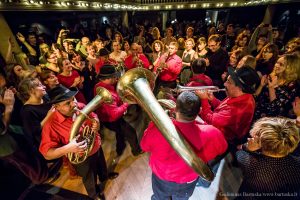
x=123, y=131
x=94, y=166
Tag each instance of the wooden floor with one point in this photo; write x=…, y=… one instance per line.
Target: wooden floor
x=134, y=181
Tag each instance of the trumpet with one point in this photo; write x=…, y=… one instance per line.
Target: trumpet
x=209, y=89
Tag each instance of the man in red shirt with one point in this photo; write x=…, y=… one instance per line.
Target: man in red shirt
x=171, y=176
x=136, y=59
x=232, y=116
x=112, y=114
x=199, y=78
x=55, y=141
x=104, y=59
x=168, y=68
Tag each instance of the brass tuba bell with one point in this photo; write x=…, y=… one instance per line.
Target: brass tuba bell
x=103, y=96
x=136, y=86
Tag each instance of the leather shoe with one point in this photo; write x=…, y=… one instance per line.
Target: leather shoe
x=113, y=175
x=100, y=197
x=138, y=152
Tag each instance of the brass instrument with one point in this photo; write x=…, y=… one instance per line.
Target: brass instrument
x=211, y=89
x=135, y=87
x=103, y=96
x=163, y=64
x=139, y=62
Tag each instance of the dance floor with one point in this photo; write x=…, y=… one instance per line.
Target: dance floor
x=134, y=181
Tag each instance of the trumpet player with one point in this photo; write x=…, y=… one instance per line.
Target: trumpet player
x=168, y=68
x=171, y=176
x=55, y=141
x=136, y=59
x=232, y=116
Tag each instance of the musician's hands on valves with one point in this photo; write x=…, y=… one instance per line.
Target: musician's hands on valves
x=75, y=146
x=205, y=94
x=95, y=126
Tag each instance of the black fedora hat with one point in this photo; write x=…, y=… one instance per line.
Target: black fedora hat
x=61, y=93
x=108, y=71
x=245, y=77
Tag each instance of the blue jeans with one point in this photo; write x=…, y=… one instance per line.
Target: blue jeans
x=164, y=190
x=204, y=183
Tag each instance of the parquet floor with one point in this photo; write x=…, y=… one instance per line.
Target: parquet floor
x=134, y=181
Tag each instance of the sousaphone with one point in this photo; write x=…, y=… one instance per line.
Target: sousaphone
x=136, y=86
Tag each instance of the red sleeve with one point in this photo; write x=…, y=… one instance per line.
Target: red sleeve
x=49, y=139
x=216, y=144
x=219, y=119
x=111, y=112
x=174, y=66
x=145, y=61
x=148, y=137
x=215, y=102
x=128, y=62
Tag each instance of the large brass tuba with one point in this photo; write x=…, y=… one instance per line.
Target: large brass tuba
x=103, y=96
x=135, y=87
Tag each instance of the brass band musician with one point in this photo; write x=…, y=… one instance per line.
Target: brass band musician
x=55, y=141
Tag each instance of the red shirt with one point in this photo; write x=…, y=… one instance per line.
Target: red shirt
x=114, y=111
x=200, y=80
x=233, y=116
x=174, y=65
x=206, y=140
x=101, y=62
x=56, y=132
x=129, y=64
x=67, y=81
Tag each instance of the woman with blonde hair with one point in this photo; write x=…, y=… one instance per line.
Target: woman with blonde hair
x=278, y=90
x=201, y=47
x=267, y=155
x=156, y=33
x=188, y=56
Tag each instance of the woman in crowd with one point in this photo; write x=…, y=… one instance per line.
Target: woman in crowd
x=126, y=47
x=44, y=48
x=76, y=60
x=201, y=48
x=278, y=90
x=241, y=42
x=98, y=43
x=156, y=34
x=71, y=79
x=181, y=43
x=259, y=40
x=266, y=59
x=234, y=58
x=158, y=50
x=118, y=55
x=247, y=60
x=14, y=74
x=188, y=55
x=59, y=52
x=266, y=161
x=49, y=79
x=35, y=110
x=52, y=62
x=92, y=57
x=119, y=38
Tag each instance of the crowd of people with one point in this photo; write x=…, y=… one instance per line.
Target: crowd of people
x=40, y=98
